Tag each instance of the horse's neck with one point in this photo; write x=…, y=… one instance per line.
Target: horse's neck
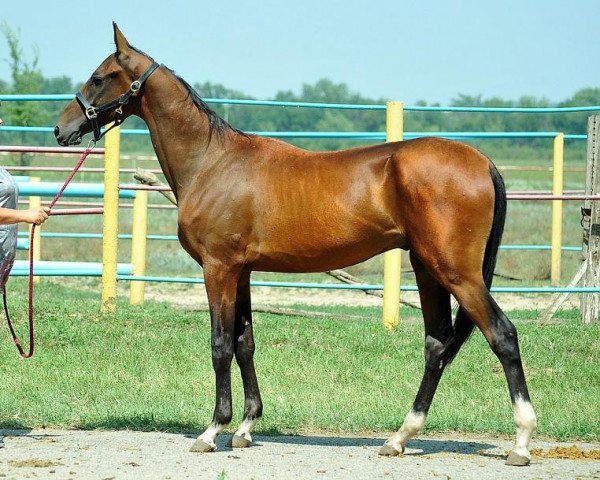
x=179, y=133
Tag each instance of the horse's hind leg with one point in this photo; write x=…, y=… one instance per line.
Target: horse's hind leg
x=244, y=355
x=464, y=280
x=478, y=306
x=501, y=334
x=435, y=303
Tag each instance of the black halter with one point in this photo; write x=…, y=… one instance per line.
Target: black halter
x=92, y=112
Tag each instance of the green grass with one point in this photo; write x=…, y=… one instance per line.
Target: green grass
x=149, y=368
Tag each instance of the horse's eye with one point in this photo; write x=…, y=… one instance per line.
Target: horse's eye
x=97, y=81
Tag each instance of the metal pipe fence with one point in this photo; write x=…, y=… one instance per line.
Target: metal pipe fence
x=277, y=103
x=374, y=136
x=556, y=197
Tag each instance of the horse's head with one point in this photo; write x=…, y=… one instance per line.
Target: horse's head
x=110, y=95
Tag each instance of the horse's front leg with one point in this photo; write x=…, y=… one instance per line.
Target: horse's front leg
x=244, y=354
x=221, y=285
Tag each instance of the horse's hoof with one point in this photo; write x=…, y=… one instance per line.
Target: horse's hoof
x=516, y=460
x=388, y=451
x=202, y=447
x=240, y=442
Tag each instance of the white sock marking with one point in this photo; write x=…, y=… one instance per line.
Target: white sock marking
x=245, y=429
x=413, y=423
x=210, y=434
x=526, y=423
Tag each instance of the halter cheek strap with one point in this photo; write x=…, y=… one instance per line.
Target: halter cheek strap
x=91, y=112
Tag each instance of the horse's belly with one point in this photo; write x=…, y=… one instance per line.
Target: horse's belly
x=320, y=253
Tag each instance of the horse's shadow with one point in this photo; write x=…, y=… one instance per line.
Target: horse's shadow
x=423, y=446
x=415, y=447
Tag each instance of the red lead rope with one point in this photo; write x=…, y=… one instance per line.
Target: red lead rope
x=50, y=205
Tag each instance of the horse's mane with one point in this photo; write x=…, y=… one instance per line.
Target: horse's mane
x=215, y=123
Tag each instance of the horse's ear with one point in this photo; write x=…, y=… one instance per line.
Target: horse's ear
x=121, y=43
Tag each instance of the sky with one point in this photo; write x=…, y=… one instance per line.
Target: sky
x=383, y=49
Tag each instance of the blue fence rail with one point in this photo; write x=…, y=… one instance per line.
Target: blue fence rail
x=83, y=190
x=381, y=136
x=344, y=286
x=277, y=103
x=59, y=269
x=344, y=135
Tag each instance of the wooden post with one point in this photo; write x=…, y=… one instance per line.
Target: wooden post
x=557, y=189
x=138, y=246
x=392, y=258
x=111, y=221
x=590, y=302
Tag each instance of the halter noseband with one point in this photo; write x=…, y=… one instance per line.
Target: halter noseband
x=91, y=112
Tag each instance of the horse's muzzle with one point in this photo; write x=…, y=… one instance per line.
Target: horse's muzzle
x=74, y=138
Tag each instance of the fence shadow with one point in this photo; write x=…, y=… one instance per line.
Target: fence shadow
x=13, y=431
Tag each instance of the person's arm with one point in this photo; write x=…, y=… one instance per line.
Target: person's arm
x=33, y=215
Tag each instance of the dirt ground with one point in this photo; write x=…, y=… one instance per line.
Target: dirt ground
x=194, y=296
x=79, y=455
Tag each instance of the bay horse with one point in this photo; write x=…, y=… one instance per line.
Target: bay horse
x=249, y=203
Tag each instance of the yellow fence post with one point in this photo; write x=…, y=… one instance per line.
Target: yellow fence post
x=138, y=246
x=392, y=258
x=111, y=221
x=557, y=189
x=36, y=202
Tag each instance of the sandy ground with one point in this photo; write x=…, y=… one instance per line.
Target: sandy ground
x=56, y=454
x=194, y=296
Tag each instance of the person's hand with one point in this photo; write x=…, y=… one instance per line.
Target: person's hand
x=36, y=215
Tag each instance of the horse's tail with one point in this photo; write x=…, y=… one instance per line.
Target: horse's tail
x=463, y=326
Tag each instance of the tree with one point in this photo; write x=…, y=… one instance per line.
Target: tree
x=577, y=122
x=26, y=79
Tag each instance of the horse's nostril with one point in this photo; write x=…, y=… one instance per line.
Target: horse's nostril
x=56, y=131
